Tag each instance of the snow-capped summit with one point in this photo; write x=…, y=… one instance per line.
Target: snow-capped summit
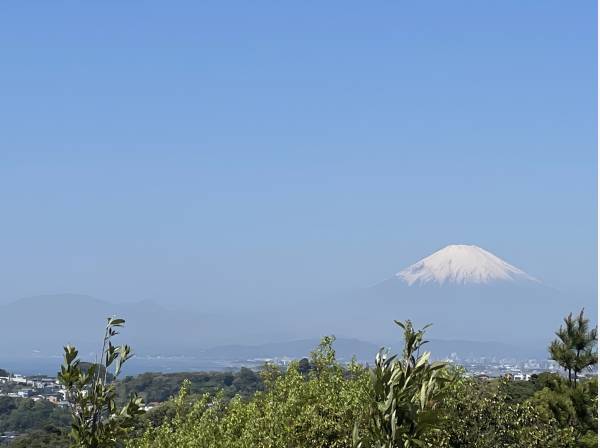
x=462, y=264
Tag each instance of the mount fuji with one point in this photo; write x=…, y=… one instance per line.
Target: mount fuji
x=467, y=292
x=462, y=264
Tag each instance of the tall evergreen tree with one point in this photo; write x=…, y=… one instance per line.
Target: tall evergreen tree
x=574, y=348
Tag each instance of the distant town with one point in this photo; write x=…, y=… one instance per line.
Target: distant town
x=483, y=367
x=33, y=387
x=41, y=387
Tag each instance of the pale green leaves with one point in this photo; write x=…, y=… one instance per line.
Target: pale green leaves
x=96, y=421
x=405, y=393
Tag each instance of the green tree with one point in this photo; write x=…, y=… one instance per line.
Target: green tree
x=405, y=396
x=574, y=407
x=96, y=421
x=47, y=438
x=314, y=410
x=23, y=415
x=159, y=387
x=304, y=366
x=574, y=348
x=480, y=414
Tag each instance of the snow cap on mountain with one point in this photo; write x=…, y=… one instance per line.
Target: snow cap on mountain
x=462, y=264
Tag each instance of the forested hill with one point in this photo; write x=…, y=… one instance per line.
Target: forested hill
x=159, y=387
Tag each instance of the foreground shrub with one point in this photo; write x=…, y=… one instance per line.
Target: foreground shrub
x=479, y=414
x=405, y=396
x=96, y=421
x=572, y=406
x=314, y=409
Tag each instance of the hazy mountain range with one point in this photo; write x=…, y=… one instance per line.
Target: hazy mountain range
x=471, y=296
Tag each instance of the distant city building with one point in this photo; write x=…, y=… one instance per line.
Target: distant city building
x=24, y=393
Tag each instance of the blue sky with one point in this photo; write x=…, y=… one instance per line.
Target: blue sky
x=195, y=151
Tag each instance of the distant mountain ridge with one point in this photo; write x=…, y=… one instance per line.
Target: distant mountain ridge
x=45, y=323
x=154, y=330
x=31, y=339
x=365, y=351
x=468, y=293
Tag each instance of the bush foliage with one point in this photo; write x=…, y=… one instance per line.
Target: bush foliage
x=402, y=401
x=318, y=409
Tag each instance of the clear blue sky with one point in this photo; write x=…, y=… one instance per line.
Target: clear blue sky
x=192, y=151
